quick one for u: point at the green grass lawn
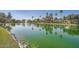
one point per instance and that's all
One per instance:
(6, 40)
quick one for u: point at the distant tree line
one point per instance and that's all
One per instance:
(56, 18)
(8, 18)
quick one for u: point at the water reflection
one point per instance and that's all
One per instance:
(38, 31)
(71, 30)
(13, 24)
(61, 36)
(23, 24)
(32, 28)
(47, 28)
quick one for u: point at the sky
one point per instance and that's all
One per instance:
(27, 14)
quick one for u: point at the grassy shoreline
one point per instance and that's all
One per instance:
(57, 24)
(6, 40)
(46, 23)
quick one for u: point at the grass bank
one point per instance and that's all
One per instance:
(6, 40)
(57, 24)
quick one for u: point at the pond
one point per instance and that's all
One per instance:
(46, 36)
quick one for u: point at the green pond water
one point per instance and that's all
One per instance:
(46, 36)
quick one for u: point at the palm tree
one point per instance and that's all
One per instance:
(50, 17)
(47, 14)
(9, 15)
(32, 17)
(61, 11)
(64, 17)
(47, 17)
(40, 16)
(55, 15)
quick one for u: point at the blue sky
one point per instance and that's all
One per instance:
(27, 14)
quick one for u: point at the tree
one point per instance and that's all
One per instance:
(18, 21)
(55, 16)
(32, 17)
(13, 21)
(29, 21)
(23, 21)
(38, 20)
(2, 17)
(51, 16)
(64, 17)
(47, 15)
(61, 11)
(9, 15)
(40, 16)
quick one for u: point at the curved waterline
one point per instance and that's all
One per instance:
(9, 40)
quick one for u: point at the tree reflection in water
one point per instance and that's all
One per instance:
(72, 30)
(61, 36)
(13, 24)
(39, 29)
(48, 29)
(32, 28)
(23, 24)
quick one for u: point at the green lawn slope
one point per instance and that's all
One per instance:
(6, 40)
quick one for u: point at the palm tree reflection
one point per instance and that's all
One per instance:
(72, 30)
(32, 28)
